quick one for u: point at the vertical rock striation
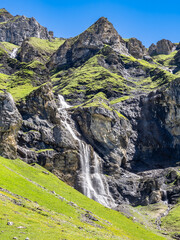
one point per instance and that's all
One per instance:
(10, 123)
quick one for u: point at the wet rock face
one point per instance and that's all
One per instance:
(18, 28)
(77, 50)
(106, 132)
(43, 137)
(155, 141)
(136, 48)
(162, 47)
(10, 123)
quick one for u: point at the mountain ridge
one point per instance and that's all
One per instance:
(98, 111)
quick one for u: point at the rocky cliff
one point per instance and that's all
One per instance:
(116, 135)
(10, 123)
(15, 29)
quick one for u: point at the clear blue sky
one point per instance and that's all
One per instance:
(149, 21)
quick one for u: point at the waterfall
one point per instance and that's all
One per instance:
(94, 184)
(165, 198)
(14, 53)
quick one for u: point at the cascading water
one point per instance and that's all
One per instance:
(14, 53)
(94, 184)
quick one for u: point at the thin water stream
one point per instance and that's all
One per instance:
(14, 53)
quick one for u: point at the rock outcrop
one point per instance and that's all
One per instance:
(136, 48)
(16, 29)
(77, 50)
(107, 132)
(29, 53)
(178, 47)
(162, 47)
(10, 123)
(43, 137)
(177, 58)
(155, 121)
(4, 15)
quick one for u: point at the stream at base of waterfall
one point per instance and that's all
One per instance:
(94, 184)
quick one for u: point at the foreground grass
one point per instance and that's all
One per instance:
(172, 221)
(43, 207)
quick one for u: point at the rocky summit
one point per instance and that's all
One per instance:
(100, 113)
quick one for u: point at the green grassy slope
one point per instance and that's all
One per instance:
(26, 77)
(165, 60)
(91, 78)
(46, 45)
(43, 207)
(172, 221)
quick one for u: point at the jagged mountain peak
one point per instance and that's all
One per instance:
(3, 10)
(88, 43)
(5, 15)
(105, 30)
(15, 29)
(163, 46)
(101, 23)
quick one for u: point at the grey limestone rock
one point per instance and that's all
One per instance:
(10, 123)
(77, 50)
(4, 15)
(162, 47)
(106, 132)
(136, 48)
(43, 137)
(16, 29)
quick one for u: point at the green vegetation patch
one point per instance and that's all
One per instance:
(121, 99)
(3, 80)
(165, 60)
(126, 39)
(46, 45)
(18, 84)
(37, 202)
(2, 50)
(21, 91)
(157, 77)
(9, 46)
(172, 221)
(99, 100)
(84, 82)
(26, 79)
(36, 64)
(88, 80)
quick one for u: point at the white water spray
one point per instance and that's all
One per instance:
(14, 53)
(94, 185)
